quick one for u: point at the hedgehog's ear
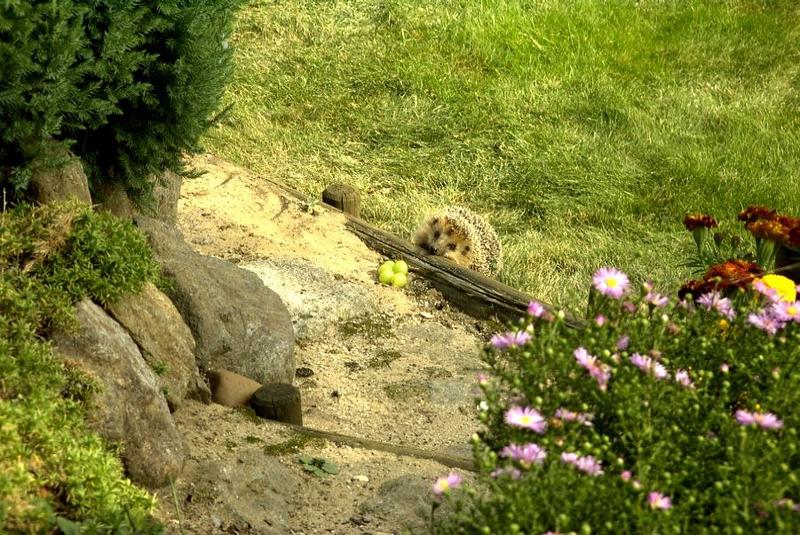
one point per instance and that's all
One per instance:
(435, 221)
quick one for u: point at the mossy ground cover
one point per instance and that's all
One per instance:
(52, 471)
(585, 130)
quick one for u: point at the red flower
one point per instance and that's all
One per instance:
(767, 229)
(753, 213)
(693, 221)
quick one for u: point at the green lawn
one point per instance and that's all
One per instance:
(584, 130)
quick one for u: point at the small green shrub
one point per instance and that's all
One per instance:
(53, 472)
(658, 417)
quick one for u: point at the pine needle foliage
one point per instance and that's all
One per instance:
(129, 86)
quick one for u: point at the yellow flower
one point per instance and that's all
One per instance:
(723, 324)
(784, 287)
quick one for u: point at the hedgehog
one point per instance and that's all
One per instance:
(462, 236)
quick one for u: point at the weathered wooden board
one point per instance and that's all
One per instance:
(466, 289)
(452, 461)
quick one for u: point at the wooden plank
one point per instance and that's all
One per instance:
(468, 290)
(452, 461)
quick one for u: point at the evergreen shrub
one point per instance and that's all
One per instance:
(128, 85)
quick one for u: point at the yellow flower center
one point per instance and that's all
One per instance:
(723, 324)
(792, 310)
(525, 419)
(611, 282)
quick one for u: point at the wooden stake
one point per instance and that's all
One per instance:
(343, 197)
(278, 401)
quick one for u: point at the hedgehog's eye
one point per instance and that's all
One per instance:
(435, 221)
(451, 246)
(436, 235)
(466, 248)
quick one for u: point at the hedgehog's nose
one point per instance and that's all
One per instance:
(428, 247)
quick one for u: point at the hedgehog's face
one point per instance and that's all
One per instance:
(442, 238)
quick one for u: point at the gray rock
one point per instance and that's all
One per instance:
(113, 198)
(166, 192)
(314, 297)
(403, 502)
(238, 323)
(165, 341)
(248, 494)
(130, 408)
(58, 175)
(453, 392)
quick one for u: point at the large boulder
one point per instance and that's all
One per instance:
(58, 175)
(249, 493)
(238, 323)
(165, 341)
(130, 408)
(314, 296)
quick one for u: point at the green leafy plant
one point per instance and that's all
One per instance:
(318, 466)
(53, 473)
(660, 416)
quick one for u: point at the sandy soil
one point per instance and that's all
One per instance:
(404, 375)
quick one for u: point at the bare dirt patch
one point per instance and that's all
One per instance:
(374, 362)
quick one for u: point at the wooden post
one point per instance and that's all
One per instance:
(343, 197)
(278, 401)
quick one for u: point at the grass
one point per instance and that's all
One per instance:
(584, 130)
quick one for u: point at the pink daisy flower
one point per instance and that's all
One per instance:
(765, 321)
(626, 475)
(763, 420)
(584, 418)
(599, 371)
(763, 289)
(623, 342)
(682, 378)
(526, 454)
(526, 418)
(656, 299)
(536, 309)
(444, 485)
(587, 464)
(600, 320)
(786, 311)
(513, 473)
(714, 300)
(611, 282)
(568, 457)
(656, 500)
(510, 339)
(648, 365)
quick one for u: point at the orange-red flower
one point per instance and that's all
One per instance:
(767, 229)
(734, 273)
(752, 213)
(693, 221)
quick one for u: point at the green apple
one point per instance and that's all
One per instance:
(389, 264)
(400, 280)
(386, 276)
(400, 267)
